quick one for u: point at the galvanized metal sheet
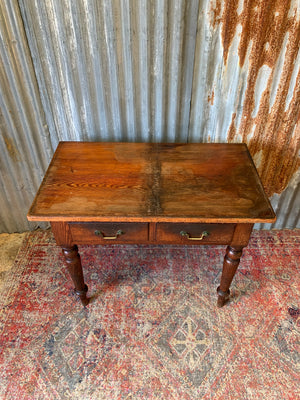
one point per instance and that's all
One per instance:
(24, 140)
(158, 70)
(251, 89)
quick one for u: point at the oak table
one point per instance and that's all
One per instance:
(130, 193)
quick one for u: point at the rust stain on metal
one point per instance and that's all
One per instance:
(273, 132)
(216, 13)
(211, 98)
(229, 23)
(11, 149)
(232, 129)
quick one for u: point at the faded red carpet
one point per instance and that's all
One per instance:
(152, 330)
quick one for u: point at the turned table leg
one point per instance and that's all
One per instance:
(72, 259)
(63, 237)
(231, 262)
(233, 254)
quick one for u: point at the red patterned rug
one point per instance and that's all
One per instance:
(152, 330)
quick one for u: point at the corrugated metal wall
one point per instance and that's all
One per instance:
(156, 70)
(24, 141)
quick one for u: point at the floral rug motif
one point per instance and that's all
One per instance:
(152, 329)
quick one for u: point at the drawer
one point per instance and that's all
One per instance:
(109, 232)
(192, 233)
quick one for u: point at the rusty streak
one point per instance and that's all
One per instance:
(272, 134)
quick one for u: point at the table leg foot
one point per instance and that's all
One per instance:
(82, 295)
(73, 262)
(231, 262)
(223, 297)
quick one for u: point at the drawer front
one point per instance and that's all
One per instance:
(190, 233)
(109, 232)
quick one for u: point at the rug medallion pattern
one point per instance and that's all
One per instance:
(152, 329)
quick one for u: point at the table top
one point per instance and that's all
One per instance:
(142, 182)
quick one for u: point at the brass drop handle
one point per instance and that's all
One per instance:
(118, 233)
(187, 235)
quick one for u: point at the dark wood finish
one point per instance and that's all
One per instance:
(100, 193)
(233, 254)
(152, 232)
(109, 232)
(73, 262)
(143, 182)
(63, 237)
(241, 235)
(167, 232)
(62, 233)
(231, 262)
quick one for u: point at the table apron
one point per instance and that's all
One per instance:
(105, 233)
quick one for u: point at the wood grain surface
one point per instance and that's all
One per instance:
(143, 182)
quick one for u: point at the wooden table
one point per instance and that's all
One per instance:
(125, 193)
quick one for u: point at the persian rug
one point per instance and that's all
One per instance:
(152, 329)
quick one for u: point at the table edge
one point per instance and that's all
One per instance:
(156, 219)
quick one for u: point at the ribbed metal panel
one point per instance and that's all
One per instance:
(114, 70)
(149, 70)
(286, 206)
(24, 141)
(247, 83)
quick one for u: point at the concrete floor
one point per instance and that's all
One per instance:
(9, 247)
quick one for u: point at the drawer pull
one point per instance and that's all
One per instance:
(118, 233)
(187, 235)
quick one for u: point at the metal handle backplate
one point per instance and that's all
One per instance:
(189, 237)
(118, 233)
